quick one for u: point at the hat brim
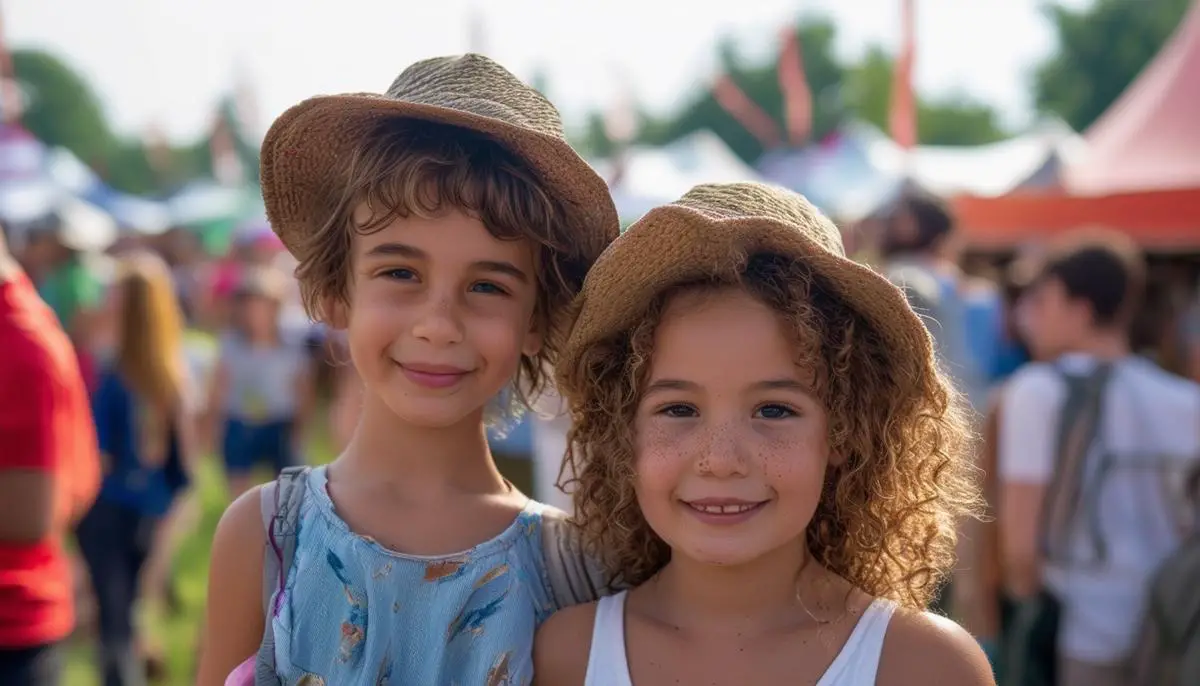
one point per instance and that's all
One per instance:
(307, 152)
(672, 245)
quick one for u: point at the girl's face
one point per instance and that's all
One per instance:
(440, 314)
(260, 316)
(731, 443)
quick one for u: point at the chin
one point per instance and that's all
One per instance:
(722, 553)
(430, 413)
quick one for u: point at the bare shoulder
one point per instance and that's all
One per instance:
(922, 647)
(241, 523)
(233, 623)
(562, 645)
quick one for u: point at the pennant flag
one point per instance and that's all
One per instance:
(734, 100)
(797, 98)
(902, 119)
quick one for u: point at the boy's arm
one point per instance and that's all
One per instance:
(562, 645)
(233, 621)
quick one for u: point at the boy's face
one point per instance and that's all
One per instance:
(731, 445)
(440, 313)
(1051, 320)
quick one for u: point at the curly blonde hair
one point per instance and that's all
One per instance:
(888, 514)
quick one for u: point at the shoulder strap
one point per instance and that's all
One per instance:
(1078, 426)
(280, 501)
(574, 577)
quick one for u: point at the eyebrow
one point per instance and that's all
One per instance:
(782, 384)
(402, 250)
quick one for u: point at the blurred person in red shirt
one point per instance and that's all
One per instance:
(49, 474)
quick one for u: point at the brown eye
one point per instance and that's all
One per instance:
(678, 411)
(774, 411)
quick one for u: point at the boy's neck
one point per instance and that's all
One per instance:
(756, 597)
(454, 459)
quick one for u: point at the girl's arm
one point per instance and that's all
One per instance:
(561, 647)
(233, 619)
(210, 419)
(924, 648)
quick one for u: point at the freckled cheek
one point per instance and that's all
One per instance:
(798, 463)
(662, 458)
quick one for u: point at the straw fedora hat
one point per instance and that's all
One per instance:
(308, 149)
(696, 236)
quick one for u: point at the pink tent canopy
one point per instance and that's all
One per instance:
(1149, 139)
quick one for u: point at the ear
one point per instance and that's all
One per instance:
(533, 341)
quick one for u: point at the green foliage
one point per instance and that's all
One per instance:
(61, 108)
(761, 84)
(861, 90)
(1101, 51)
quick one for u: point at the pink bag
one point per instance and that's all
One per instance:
(242, 675)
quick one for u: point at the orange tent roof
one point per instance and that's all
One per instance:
(1163, 220)
(1149, 139)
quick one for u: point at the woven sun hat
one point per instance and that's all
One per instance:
(308, 150)
(696, 236)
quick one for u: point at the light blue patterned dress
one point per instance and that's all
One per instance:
(355, 612)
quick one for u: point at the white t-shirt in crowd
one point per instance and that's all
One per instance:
(1151, 426)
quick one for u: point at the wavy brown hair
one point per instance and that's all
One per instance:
(888, 514)
(149, 347)
(405, 168)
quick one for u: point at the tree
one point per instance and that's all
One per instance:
(761, 84)
(1101, 50)
(60, 107)
(862, 90)
(956, 120)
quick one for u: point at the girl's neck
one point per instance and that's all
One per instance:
(435, 461)
(781, 589)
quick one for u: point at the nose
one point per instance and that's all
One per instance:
(721, 453)
(439, 322)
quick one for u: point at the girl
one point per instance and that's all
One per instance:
(444, 242)
(262, 388)
(765, 448)
(144, 430)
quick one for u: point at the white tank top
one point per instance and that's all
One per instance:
(855, 664)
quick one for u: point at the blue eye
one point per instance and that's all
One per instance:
(487, 288)
(774, 411)
(678, 411)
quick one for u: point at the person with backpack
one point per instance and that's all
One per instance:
(445, 226)
(1095, 445)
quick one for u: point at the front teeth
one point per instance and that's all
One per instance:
(725, 509)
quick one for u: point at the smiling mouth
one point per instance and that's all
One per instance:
(724, 508)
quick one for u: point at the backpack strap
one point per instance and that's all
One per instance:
(280, 501)
(1078, 429)
(574, 576)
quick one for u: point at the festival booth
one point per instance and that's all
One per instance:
(858, 169)
(1137, 170)
(131, 212)
(646, 177)
(29, 192)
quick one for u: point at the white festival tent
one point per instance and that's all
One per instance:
(860, 169)
(653, 176)
(28, 193)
